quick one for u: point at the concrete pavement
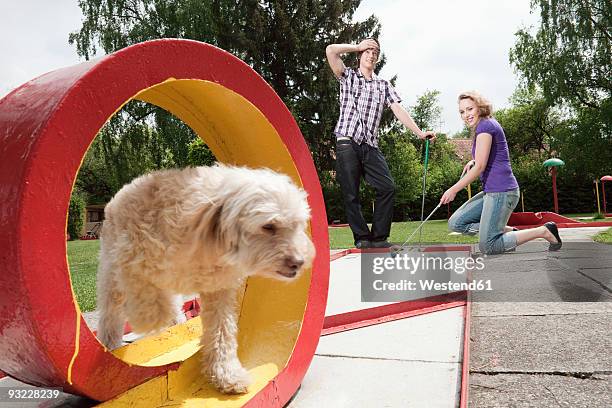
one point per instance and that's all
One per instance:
(550, 344)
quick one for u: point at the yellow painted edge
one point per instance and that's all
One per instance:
(76, 342)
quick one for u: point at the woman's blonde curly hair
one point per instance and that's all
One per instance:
(484, 106)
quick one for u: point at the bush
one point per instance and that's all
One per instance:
(76, 215)
(332, 195)
(199, 154)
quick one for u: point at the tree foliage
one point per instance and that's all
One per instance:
(138, 139)
(76, 215)
(529, 123)
(566, 65)
(427, 111)
(570, 55)
(283, 40)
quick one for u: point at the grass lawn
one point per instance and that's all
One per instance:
(83, 255)
(434, 232)
(83, 261)
(604, 237)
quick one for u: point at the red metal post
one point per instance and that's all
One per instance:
(603, 193)
(554, 180)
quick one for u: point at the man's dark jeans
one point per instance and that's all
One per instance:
(353, 162)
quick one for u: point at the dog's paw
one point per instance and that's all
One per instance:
(234, 380)
(110, 343)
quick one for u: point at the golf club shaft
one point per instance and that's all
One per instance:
(425, 220)
(421, 224)
(424, 184)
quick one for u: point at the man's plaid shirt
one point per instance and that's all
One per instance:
(361, 106)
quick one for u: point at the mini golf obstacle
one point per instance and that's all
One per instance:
(524, 220)
(46, 127)
(603, 194)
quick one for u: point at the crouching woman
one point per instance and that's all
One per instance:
(487, 213)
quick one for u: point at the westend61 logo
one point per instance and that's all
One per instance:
(416, 275)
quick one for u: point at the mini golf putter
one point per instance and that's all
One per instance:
(394, 253)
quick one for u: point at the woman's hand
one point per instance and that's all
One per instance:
(448, 196)
(467, 167)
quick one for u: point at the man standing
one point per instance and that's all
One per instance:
(363, 96)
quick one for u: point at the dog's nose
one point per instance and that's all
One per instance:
(294, 263)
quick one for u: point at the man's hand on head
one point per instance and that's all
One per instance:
(367, 44)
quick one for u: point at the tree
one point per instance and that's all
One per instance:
(529, 123)
(426, 112)
(568, 59)
(405, 167)
(76, 215)
(570, 56)
(405, 152)
(462, 134)
(283, 40)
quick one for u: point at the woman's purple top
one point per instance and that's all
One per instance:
(497, 176)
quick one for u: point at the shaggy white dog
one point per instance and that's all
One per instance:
(198, 230)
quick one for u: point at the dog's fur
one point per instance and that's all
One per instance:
(198, 230)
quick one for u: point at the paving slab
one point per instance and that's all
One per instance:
(92, 319)
(539, 391)
(561, 343)
(528, 276)
(543, 353)
(540, 283)
(587, 262)
(603, 276)
(481, 309)
(581, 233)
(345, 286)
(412, 362)
(435, 337)
(341, 382)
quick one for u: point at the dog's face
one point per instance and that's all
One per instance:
(262, 227)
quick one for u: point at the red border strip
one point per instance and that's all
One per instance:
(367, 317)
(465, 361)
(381, 314)
(572, 225)
(2, 375)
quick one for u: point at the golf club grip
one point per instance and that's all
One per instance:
(426, 152)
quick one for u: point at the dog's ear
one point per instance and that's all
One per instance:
(215, 230)
(204, 227)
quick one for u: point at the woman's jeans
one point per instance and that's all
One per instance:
(487, 214)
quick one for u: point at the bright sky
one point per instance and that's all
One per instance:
(450, 46)
(446, 45)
